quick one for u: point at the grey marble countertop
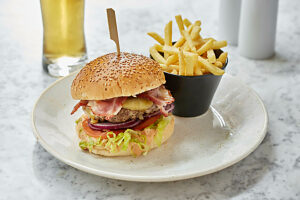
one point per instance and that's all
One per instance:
(27, 171)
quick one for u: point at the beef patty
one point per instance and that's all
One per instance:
(124, 114)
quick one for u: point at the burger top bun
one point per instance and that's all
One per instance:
(115, 75)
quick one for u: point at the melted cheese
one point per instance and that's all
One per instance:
(137, 104)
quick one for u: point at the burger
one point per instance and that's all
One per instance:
(127, 109)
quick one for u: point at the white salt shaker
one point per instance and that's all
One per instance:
(257, 28)
(229, 18)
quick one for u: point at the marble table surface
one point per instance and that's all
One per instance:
(27, 171)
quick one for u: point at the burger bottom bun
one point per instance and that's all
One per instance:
(102, 151)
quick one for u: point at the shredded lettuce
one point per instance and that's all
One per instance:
(141, 142)
(83, 145)
(125, 139)
(122, 140)
(111, 136)
(99, 142)
(160, 127)
(78, 120)
(90, 144)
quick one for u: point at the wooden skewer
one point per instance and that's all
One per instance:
(112, 25)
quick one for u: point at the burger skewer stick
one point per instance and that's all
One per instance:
(112, 25)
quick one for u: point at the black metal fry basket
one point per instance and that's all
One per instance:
(193, 94)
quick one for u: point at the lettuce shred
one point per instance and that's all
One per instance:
(83, 145)
(160, 127)
(122, 140)
(78, 120)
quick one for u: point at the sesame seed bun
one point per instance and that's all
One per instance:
(100, 150)
(112, 76)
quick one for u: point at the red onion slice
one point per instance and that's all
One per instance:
(152, 114)
(169, 108)
(128, 124)
(114, 126)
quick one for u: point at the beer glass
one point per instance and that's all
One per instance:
(64, 48)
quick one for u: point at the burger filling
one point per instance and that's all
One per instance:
(138, 142)
(117, 117)
(123, 115)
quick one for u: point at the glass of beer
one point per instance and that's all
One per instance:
(64, 48)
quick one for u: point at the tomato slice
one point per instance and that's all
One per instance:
(91, 132)
(118, 131)
(147, 123)
(95, 133)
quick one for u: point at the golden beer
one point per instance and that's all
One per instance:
(64, 43)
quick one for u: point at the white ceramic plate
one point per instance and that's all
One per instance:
(233, 127)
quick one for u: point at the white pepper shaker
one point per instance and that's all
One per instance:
(229, 18)
(257, 28)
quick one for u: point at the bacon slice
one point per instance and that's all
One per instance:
(78, 105)
(107, 108)
(159, 96)
(111, 107)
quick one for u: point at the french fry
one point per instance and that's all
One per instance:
(159, 47)
(211, 56)
(181, 63)
(198, 43)
(181, 40)
(205, 47)
(156, 37)
(190, 61)
(207, 39)
(187, 53)
(190, 28)
(210, 67)
(170, 50)
(197, 23)
(156, 56)
(189, 40)
(223, 57)
(179, 22)
(168, 36)
(169, 67)
(176, 67)
(187, 22)
(198, 70)
(174, 72)
(219, 64)
(169, 71)
(195, 32)
(196, 37)
(219, 44)
(191, 55)
(186, 47)
(172, 59)
(203, 69)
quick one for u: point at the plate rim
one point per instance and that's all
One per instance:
(156, 178)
